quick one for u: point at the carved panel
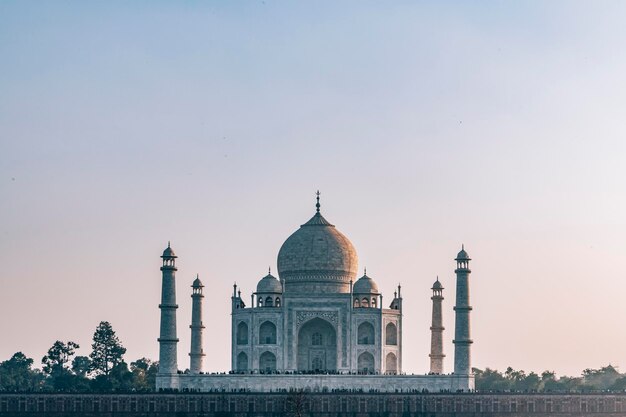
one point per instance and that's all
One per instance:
(304, 316)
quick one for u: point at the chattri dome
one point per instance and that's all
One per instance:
(197, 283)
(317, 257)
(365, 285)
(437, 285)
(462, 256)
(269, 284)
(169, 252)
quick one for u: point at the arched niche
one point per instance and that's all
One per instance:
(391, 334)
(242, 333)
(317, 346)
(365, 333)
(365, 363)
(267, 333)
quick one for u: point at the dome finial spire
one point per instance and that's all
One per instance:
(269, 270)
(168, 243)
(317, 205)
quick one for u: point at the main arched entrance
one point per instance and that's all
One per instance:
(317, 346)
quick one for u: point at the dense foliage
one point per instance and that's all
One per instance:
(592, 380)
(103, 370)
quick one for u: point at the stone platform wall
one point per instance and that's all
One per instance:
(316, 383)
(310, 404)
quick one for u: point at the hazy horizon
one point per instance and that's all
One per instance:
(425, 125)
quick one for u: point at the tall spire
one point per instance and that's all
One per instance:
(196, 353)
(436, 330)
(462, 334)
(317, 206)
(168, 339)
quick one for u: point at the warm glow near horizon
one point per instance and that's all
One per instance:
(425, 126)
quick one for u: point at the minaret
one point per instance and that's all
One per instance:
(168, 340)
(436, 329)
(196, 354)
(462, 341)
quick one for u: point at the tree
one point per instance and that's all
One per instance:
(619, 384)
(600, 379)
(16, 374)
(144, 374)
(491, 380)
(530, 383)
(56, 365)
(549, 382)
(58, 356)
(118, 379)
(81, 366)
(107, 351)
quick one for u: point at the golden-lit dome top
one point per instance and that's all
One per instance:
(318, 252)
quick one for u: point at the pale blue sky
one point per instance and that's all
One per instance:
(211, 124)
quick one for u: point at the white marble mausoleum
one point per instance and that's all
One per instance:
(315, 326)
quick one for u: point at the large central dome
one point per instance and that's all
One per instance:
(317, 258)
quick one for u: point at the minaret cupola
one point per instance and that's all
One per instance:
(462, 259)
(169, 257)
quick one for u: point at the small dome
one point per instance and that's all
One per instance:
(365, 285)
(197, 283)
(437, 285)
(462, 256)
(169, 252)
(269, 284)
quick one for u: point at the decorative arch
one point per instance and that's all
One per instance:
(365, 302)
(277, 303)
(268, 301)
(267, 362)
(242, 333)
(267, 333)
(357, 303)
(365, 333)
(365, 363)
(317, 346)
(391, 363)
(242, 362)
(391, 334)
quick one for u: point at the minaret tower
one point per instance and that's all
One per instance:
(436, 329)
(462, 341)
(196, 354)
(168, 340)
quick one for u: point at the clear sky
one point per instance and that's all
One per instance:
(425, 125)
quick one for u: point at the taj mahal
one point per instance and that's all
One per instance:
(316, 326)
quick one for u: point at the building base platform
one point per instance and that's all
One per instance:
(315, 383)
